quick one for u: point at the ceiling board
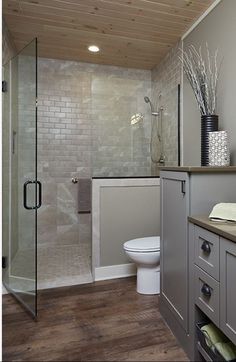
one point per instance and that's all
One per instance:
(131, 33)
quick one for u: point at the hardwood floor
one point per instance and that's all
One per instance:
(105, 321)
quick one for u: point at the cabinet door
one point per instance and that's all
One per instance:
(174, 246)
(228, 288)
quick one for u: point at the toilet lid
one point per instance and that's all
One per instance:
(151, 243)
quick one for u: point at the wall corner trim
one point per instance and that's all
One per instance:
(198, 21)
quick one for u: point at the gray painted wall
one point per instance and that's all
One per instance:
(126, 213)
(218, 29)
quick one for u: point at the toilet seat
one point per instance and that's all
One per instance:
(143, 245)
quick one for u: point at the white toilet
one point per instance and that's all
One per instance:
(145, 253)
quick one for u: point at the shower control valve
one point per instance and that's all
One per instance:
(74, 180)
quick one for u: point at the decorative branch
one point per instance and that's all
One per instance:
(202, 76)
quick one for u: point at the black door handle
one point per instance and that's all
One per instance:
(40, 195)
(183, 187)
(206, 247)
(206, 290)
(25, 195)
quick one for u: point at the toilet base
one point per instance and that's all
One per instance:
(148, 280)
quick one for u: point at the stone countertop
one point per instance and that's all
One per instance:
(121, 177)
(199, 169)
(225, 229)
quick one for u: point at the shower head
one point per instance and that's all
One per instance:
(147, 100)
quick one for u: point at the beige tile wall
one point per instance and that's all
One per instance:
(84, 129)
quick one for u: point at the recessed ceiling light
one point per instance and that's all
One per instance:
(93, 48)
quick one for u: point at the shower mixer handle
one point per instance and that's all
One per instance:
(74, 180)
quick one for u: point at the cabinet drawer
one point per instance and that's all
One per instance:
(206, 251)
(207, 294)
(227, 288)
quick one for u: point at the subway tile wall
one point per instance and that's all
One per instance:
(84, 130)
(165, 80)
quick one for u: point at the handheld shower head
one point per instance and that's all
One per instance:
(147, 100)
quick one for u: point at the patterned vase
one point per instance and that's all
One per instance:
(219, 149)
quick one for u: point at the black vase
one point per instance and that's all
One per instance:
(208, 124)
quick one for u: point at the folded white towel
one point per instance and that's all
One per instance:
(224, 211)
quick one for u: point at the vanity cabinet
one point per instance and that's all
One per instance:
(214, 276)
(187, 191)
(228, 288)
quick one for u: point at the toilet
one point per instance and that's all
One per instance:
(145, 253)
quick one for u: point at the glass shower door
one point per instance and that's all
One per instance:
(21, 188)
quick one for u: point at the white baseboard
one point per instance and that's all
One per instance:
(115, 271)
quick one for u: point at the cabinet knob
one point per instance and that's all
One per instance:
(206, 247)
(206, 290)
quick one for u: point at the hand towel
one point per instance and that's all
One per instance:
(224, 211)
(84, 195)
(226, 350)
(212, 335)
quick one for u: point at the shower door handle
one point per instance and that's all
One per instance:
(29, 182)
(40, 195)
(25, 195)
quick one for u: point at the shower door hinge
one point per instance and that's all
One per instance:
(4, 86)
(4, 262)
(36, 103)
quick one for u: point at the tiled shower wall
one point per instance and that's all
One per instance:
(84, 130)
(165, 80)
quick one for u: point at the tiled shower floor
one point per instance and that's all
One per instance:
(64, 265)
(57, 265)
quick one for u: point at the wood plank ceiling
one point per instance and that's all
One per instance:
(130, 33)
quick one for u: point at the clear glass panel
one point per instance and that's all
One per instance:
(20, 276)
(5, 172)
(121, 125)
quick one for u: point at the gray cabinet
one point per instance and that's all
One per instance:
(206, 251)
(214, 278)
(228, 288)
(185, 194)
(207, 294)
(174, 250)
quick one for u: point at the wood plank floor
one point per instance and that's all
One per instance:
(104, 321)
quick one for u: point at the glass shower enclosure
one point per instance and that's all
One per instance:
(21, 189)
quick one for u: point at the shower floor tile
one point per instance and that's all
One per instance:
(57, 265)
(64, 265)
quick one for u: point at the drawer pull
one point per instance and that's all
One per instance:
(206, 290)
(206, 247)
